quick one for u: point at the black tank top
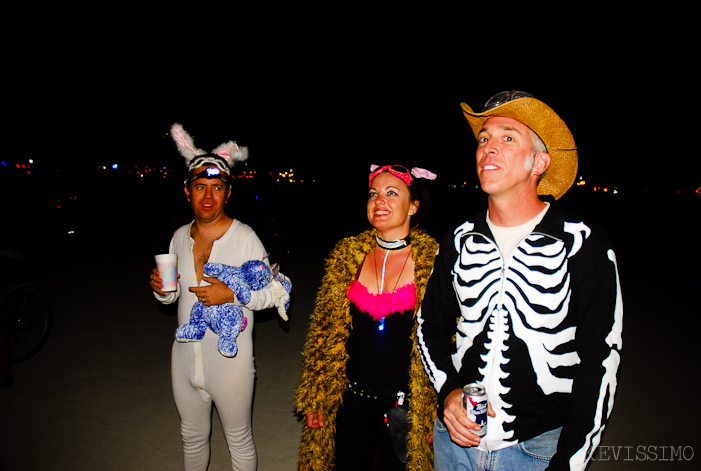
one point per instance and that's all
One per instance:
(379, 357)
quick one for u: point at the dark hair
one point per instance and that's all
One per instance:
(418, 192)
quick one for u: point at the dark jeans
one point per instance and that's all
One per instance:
(360, 429)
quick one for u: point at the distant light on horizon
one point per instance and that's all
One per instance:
(115, 166)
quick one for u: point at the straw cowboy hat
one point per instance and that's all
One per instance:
(542, 120)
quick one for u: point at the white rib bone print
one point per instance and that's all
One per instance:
(537, 270)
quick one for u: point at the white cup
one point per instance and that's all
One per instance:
(167, 265)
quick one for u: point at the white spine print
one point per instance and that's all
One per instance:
(498, 335)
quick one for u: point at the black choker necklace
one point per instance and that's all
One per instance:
(395, 244)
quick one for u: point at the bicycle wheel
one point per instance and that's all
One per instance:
(29, 317)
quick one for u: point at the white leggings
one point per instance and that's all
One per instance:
(201, 375)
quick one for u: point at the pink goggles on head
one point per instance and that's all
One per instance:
(401, 172)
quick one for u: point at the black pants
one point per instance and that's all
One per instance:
(360, 429)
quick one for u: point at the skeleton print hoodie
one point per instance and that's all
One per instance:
(541, 330)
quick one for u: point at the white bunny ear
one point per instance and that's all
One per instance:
(185, 144)
(231, 152)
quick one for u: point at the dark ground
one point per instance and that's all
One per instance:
(98, 395)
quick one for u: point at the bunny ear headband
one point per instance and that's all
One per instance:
(401, 172)
(223, 156)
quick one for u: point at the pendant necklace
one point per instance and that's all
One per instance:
(381, 284)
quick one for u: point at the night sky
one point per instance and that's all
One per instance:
(320, 102)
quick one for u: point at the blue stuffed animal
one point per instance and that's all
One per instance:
(227, 320)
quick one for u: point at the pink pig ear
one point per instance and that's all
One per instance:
(423, 173)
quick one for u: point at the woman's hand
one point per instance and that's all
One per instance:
(215, 294)
(314, 420)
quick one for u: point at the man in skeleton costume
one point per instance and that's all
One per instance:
(535, 293)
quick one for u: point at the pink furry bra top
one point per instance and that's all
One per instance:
(379, 306)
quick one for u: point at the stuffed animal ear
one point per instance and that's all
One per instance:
(185, 144)
(231, 152)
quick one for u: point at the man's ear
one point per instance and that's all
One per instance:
(187, 193)
(541, 163)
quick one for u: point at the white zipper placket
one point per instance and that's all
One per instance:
(493, 384)
(498, 313)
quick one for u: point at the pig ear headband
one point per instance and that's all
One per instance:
(223, 156)
(401, 172)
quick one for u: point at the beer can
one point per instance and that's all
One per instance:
(474, 401)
